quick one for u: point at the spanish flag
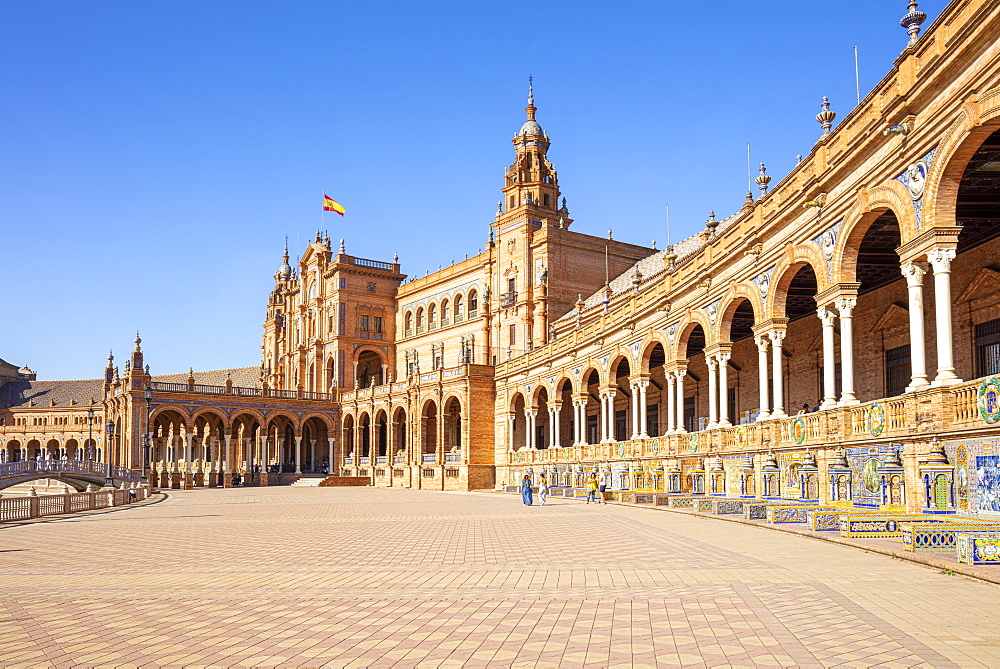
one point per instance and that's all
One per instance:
(329, 204)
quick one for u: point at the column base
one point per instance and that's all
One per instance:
(849, 401)
(175, 480)
(763, 415)
(188, 481)
(164, 479)
(227, 480)
(712, 425)
(724, 423)
(263, 480)
(828, 404)
(779, 413)
(945, 379)
(213, 479)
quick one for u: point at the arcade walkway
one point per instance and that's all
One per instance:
(362, 576)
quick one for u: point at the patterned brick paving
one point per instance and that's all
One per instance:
(363, 577)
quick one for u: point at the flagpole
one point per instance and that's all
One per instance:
(322, 212)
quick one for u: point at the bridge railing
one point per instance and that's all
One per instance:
(35, 506)
(68, 467)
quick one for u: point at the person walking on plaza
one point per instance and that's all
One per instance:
(526, 490)
(543, 489)
(591, 489)
(605, 483)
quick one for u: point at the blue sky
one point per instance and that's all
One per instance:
(154, 155)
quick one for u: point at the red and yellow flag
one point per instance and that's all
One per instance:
(329, 204)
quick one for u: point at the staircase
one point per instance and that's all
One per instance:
(309, 481)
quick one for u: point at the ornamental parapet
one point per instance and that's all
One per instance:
(931, 412)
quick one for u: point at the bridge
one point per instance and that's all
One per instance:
(77, 473)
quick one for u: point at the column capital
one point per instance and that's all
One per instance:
(713, 364)
(828, 296)
(937, 237)
(940, 259)
(845, 305)
(827, 316)
(777, 336)
(723, 357)
(914, 272)
(762, 342)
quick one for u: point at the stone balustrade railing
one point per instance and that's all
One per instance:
(35, 506)
(932, 411)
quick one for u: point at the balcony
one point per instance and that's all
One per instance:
(509, 298)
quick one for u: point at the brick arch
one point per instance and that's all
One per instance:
(163, 408)
(621, 353)
(734, 295)
(537, 390)
(795, 258)
(691, 318)
(207, 411)
(856, 223)
(561, 379)
(588, 367)
(649, 343)
(955, 151)
(324, 418)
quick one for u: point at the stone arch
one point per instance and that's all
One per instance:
(731, 301)
(589, 368)
(785, 272)
(326, 419)
(536, 392)
(648, 346)
(203, 412)
(562, 379)
(176, 408)
(963, 138)
(948, 169)
(852, 232)
(685, 326)
(621, 353)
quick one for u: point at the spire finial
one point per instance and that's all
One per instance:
(531, 87)
(914, 17)
(342, 251)
(825, 117)
(138, 340)
(111, 356)
(286, 250)
(763, 179)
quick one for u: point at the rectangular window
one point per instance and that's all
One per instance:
(732, 408)
(988, 348)
(592, 429)
(653, 420)
(343, 318)
(689, 422)
(364, 324)
(343, 284)
(897, 370)
(377, 324)
(512, 339)
(511, 285)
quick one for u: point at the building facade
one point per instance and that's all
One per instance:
(837, 339)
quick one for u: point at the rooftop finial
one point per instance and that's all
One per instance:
(825, 117)
(138, 340)
(531, 86)
(286, 249)
(763, 179)
(342, 251)
(914, 17)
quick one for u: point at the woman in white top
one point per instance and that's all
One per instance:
(543, 489)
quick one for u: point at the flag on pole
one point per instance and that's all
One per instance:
(329, 204)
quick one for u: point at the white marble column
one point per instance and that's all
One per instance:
(187, 451)
(580, 424)
(940, 260)
(227, 463)
(511, 423)
(556, 427)
(312, 454)
(723, 359)
(777, 378)
(680, 429)
(329, 448)
(914, 273)
(713, 393)
(845, 306)
(671, 403)
(529, 440)
(634, 401)
(298, 454)
(762, 343)
(643, 415)
(826, 317)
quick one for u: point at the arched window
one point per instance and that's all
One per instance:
(458, 308)
(408, 320)
(432, 316)
(420, 320)
(473, 303)
(445, 314)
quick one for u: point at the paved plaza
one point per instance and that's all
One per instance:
(382, 577)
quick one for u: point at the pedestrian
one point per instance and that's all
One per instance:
(543, 489)
(592, 488)
(526, 490)
(605, 483)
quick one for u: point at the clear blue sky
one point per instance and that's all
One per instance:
(153, 155)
